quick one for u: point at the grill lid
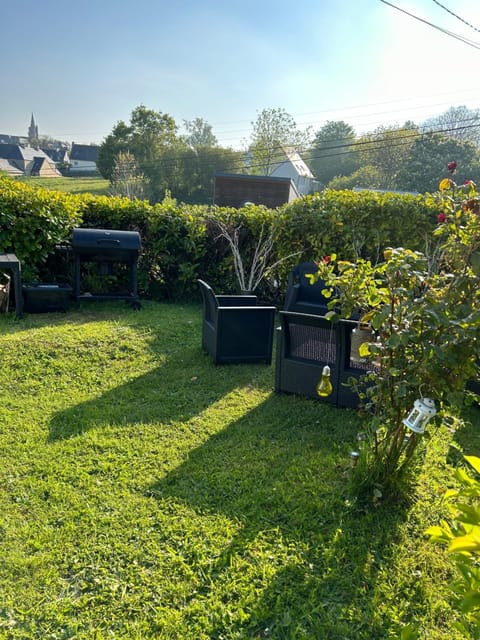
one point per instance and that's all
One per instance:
(105, 239)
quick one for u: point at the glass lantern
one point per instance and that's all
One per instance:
(423, 410)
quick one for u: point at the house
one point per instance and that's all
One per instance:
(59, 154)
(6, 138)
(83, 158)
(17, 160)
(237, 189)
(295, 168)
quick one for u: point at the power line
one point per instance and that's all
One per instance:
(375, 144)
(354, 147)
(470, 43)
(455, 16)
(332, 110)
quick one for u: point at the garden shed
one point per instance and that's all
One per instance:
(234, 190)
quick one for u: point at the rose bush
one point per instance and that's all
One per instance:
(425, 312)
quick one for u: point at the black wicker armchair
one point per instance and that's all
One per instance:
(305, 344)
(235, 328)
(303, 297)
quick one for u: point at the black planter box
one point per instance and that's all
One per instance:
(44, 298)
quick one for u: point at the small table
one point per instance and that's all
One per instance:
(10, 261)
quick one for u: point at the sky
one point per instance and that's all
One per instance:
(80, 67)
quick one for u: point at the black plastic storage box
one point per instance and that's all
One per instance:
(44, 298)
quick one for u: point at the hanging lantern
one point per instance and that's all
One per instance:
(360, 335)
(423, 410)
(324, 387)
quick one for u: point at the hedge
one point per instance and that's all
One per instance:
(180, 242)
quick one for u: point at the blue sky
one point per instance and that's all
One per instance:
(82, 66)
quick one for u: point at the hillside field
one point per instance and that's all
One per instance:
(97, 186)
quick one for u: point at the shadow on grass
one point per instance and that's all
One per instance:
(467, 437)
(275, 472)
(179, 389)
(184, 384)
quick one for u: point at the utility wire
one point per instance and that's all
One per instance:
(455, 16)
(470, 43)
(375, 144)
(221, 134)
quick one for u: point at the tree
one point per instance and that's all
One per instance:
(386, 149)
(189, 173)
(330, 155)
(459, 123)
(151, 131)
(424, 166)
(147, 134)
(272, 130)
(199, 133)
(162, 160)
(366, 177)
(119, 141)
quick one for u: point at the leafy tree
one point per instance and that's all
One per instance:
(189, 173)
(423, 167)
(147, 152)
(147, 134)
(367, 177)
(151, 131)
(119, 141)
(199, 133)
(459, 123)
(209, 160)
(386, 149)
(330, 155)
(272, 130)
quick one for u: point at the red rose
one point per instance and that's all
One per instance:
(442, 217)
(326, 259)
(451, 166)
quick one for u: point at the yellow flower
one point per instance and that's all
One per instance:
(445, 184)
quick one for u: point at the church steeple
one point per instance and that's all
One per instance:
(33, 133)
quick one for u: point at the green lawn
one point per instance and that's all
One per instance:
(97, 186)
(147, 494)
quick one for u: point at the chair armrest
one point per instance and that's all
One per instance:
(227, 310)
(236, 301)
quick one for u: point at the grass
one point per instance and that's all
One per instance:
(97, 186)
(149, 494)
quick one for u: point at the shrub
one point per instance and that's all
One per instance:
(180, 241)
(462, 538)
(33, 221)
(425, 314)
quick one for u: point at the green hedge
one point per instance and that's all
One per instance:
(180, 242)
(33, 221)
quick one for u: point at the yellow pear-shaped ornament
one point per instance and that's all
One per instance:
(324, 387)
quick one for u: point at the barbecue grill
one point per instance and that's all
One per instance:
(107, 248)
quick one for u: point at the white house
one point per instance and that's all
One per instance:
(295, 168)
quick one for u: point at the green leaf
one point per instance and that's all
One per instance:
(409, 632)
(470, 542)
(394, 341)
(470, 601)
(436, 531)
(474, 462)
